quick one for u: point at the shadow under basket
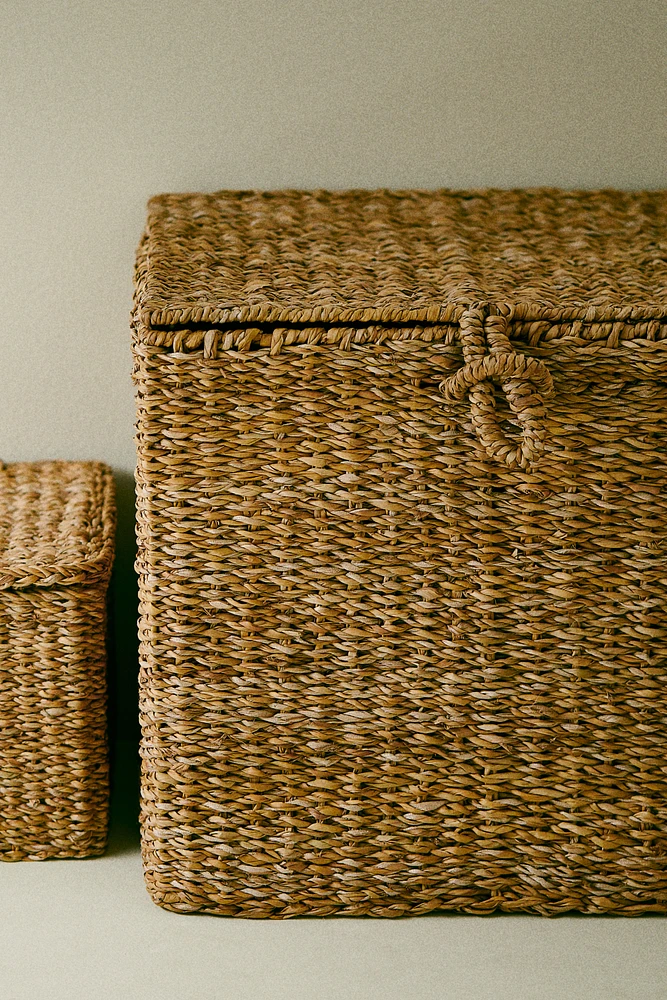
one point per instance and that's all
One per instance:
(402, 526)
(57, 522)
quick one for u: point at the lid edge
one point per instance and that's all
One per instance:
(87, 571)
(177, 316)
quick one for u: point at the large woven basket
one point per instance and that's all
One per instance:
(56, 547)
(402, 522)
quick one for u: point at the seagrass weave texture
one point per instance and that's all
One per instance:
(402, 525)
(57, 523)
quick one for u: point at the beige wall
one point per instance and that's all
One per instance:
(102, 105)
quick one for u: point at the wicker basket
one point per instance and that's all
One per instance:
(402, 522)
(56, 547)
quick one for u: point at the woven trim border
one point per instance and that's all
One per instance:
(183, 315)
(252, 338)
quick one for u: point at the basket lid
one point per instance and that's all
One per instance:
(246, 257)
(57, 523)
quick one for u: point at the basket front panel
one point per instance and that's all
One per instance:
(381, 674)
(54, 771)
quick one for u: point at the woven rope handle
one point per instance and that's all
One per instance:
(490, 357)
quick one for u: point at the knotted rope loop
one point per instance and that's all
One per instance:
(498, 368)
(489, 357)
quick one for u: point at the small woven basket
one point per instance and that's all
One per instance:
(402, 524)
(57, 523)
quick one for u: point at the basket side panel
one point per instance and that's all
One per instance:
(380, 673)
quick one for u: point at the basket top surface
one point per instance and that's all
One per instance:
(57, 523)
(392, 256)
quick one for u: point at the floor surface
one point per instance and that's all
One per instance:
(87, 930)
